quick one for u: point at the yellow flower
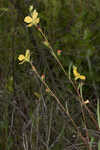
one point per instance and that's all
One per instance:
(77, 75)
(33, 20)
(21, 57)
(25, 58)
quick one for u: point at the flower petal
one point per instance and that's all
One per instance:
(21, 57)
(27, 55)
(82, 77)
(75, 71)
(22, 62)
(30, 25)
(37, 20)
(34, 14)
(28, 19)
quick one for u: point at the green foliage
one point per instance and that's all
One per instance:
(98, 112)
(9, 84)
(71, 26)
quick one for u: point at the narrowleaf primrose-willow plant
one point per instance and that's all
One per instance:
(33, 20)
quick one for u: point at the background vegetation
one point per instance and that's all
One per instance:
(29, 117)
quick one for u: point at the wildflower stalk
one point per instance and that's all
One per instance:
(85, 106)
(58, 101)
(60, 64)
(52, 51)
(84, 118)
